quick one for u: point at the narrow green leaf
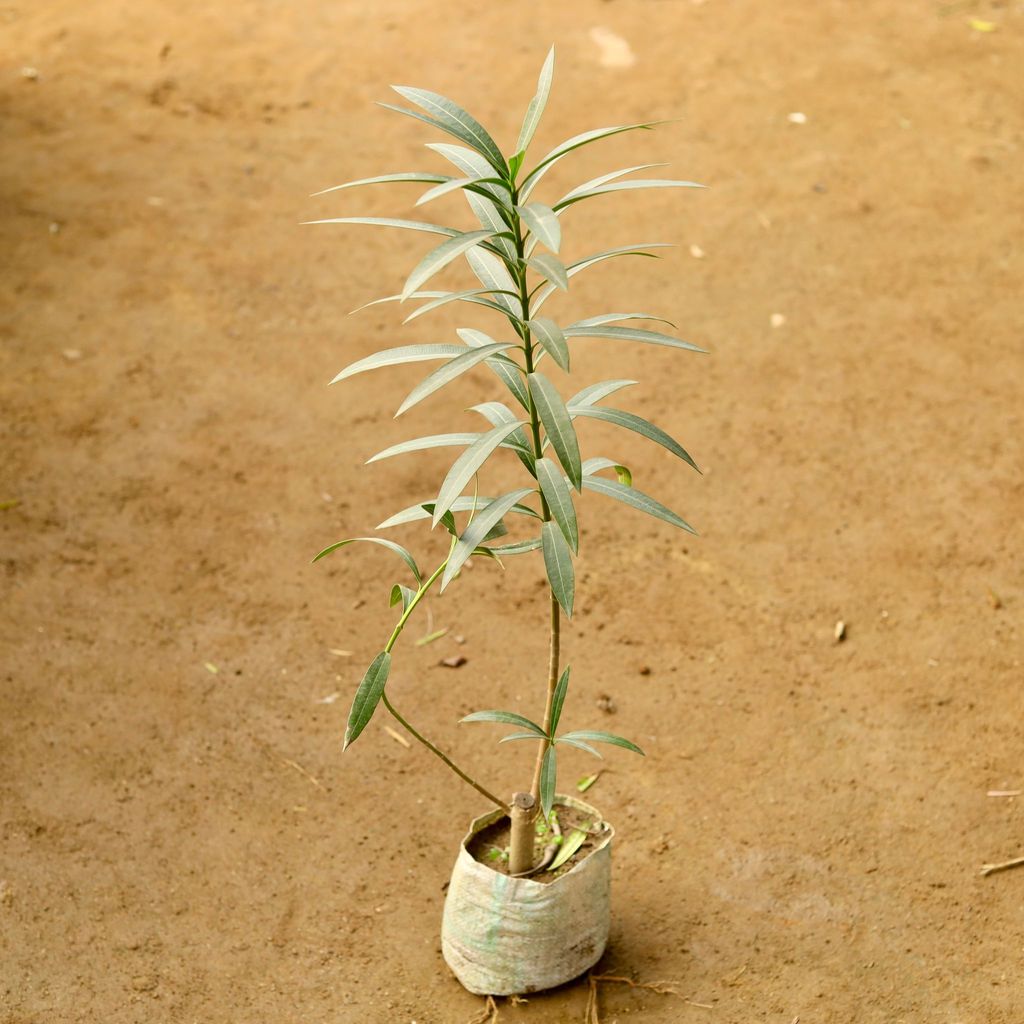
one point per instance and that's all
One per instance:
(494, 275)
(508, 371)
(632, 334)
(603, 178)
(398, 356)
(580, 745)
(623, 186)
(559, 699)
(569, 847)
(595, 392)
(536, 107)
(551, 268)
(440, 257)
(547, 332)
(520, 547)
(449, 185)
(636, 499)
(442, 441)
(506, 718)
(381, 179)
(391, 222)
(448, 372)
(637, 424)
(520, 736)
(558, 563)
(557, 424)
(425, 509)
(557, 495)
(548, 780)
(587, 781)
(515, 162)
(594, 465)
(543, 223)
(456, 122)
(389, 544)
(467, 464)
(474, 295)
(609, 318)
(496, 413)
(486, 518)
(596, 736)
(431, 637)
(403, 594)
(367, 697)
(474, 165)
(581, 265)
(565, 148)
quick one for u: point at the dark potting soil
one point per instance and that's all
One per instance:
(490, 845)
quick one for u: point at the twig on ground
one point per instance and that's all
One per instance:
(489, 1014)
(662, 988)
(302, 771)
(988, 869)
(397, 737)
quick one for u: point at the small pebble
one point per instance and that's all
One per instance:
(840, 631)
(29, 73)
(696, 252)
(776, 319)
(72, 355)
(457, 661)
(797, 117)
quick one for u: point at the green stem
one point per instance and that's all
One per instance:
(417, 597)
(554, 646)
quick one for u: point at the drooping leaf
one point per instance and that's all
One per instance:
(468, 463)
(493, 274)
(367, 697)
(456, 122)
(595, 465)
(440, 257)
(520, 547)
(610, 318)
(555, 417)
(559, 498)
(580, 745)
(559, 699)
(548, 780)
(632, 334)
(551, 268)
(444, 188)
(403, 594)
(391, 222)
(402, 553)
(496, 413)
(543, 224)
(565, 148)
(474, 295)
(636, 499)
(420, 444)
(506, 718)
(570, 845)
(398, 356)
(425, 509)
(536, 107)
(603, 178)
(381, 179)
(558, 564)
(637, 424)
(548, 333)
(448, 372)
(510, 373)
(595, 392)
(520, 736)
(580, 265)
(596, 736)
(479, 528)
(623, 186)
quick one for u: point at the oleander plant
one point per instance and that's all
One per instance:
(514, 254)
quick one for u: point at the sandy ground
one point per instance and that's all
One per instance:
(804, 837)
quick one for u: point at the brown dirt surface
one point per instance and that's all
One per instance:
(180, 837)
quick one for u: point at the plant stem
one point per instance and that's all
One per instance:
(424, 587)
(444, 757)
(554, 644)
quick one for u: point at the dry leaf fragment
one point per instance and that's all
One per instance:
(980, 25)
(840, 631)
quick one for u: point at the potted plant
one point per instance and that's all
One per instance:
(528, 904)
